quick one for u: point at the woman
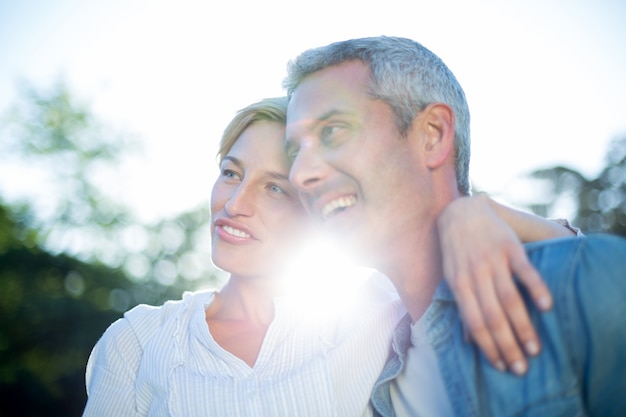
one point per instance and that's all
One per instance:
(245, 349)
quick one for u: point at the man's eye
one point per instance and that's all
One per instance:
(329, 132)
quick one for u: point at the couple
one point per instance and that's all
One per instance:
(377, 138)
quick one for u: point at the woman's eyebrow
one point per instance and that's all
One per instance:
(234, 160)
(278, 175)
(272, 174)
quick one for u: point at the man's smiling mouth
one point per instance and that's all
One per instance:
(337, 206)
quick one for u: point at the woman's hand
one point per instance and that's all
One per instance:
(481, 253)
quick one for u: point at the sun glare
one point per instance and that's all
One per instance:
(323, 279)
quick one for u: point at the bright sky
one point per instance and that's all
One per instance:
(544, 79)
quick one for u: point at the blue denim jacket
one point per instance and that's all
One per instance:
(581, 369)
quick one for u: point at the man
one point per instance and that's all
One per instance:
(378, 132)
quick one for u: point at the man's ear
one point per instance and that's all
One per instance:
(437, 126)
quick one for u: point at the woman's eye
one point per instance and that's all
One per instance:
(275, 189)
(228, 173)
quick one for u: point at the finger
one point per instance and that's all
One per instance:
(517, 314)
(500, 327)
(474, 323)
(531, 279)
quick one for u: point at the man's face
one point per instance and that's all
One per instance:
(352, 168)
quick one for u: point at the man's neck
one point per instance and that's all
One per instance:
(415, 269)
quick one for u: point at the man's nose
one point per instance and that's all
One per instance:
(308, 169)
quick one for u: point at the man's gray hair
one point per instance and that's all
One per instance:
(405, 75)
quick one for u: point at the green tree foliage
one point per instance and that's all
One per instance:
(56, 299)
(59, 140)
(600, 203)
(51, 309)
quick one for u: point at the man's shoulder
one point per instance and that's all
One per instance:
(594, 248)
(587, 278)
(592, 239)
(585, 269)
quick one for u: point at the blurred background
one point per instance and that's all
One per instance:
(110, 115)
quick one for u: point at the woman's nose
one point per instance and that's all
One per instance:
(241, 202)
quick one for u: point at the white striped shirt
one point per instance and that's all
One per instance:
(162, 361)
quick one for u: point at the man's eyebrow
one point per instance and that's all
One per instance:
(334, 112)
(322, 118)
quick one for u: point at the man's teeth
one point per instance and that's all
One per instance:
(235, 232)
(338, 204)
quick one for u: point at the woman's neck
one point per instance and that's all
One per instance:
(240, 315)
(244, 298)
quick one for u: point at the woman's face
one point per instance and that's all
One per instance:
(256, 212)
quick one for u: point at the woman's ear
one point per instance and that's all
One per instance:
(437, 125)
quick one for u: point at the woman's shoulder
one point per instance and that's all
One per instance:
(123, 343)
(146, 319)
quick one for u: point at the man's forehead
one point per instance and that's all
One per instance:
(333, 82)
(319, 100)
(337, 89)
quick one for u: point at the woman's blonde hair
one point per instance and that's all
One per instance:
(270, 109)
